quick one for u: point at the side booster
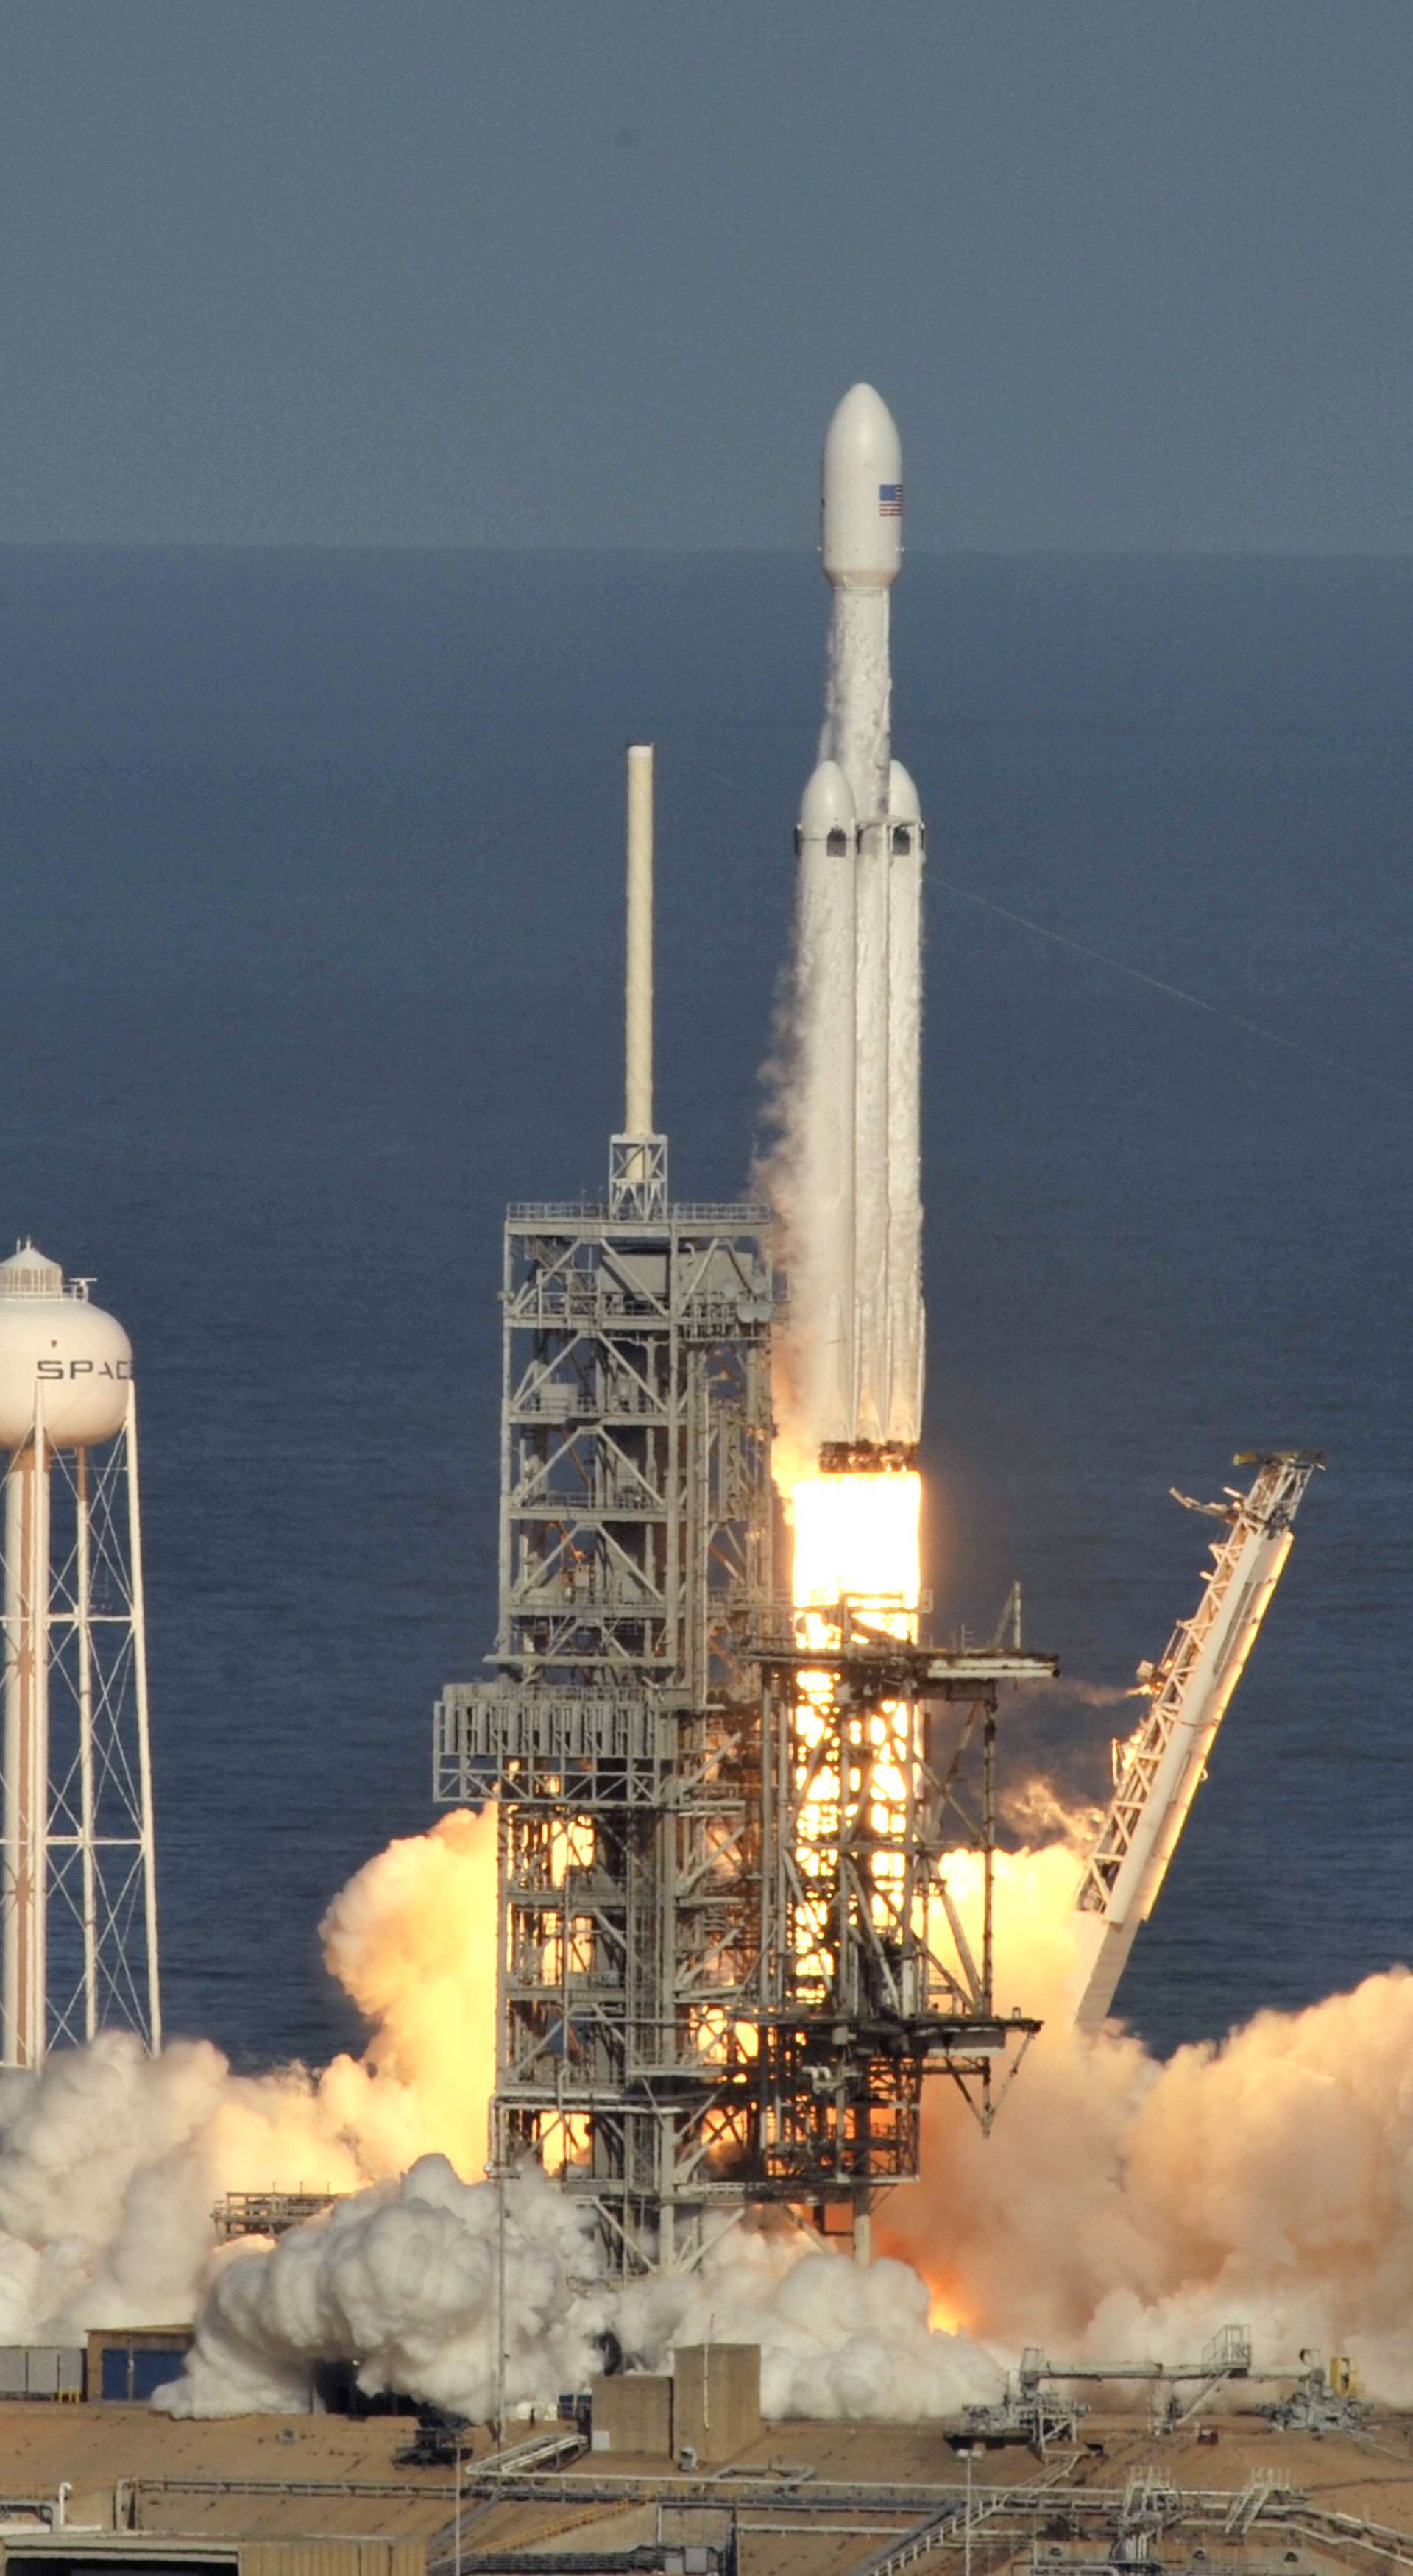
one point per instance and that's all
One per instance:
(860, 844)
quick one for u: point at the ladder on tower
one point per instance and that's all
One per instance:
(1158, 1771)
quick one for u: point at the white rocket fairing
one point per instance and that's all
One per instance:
(857, 1215)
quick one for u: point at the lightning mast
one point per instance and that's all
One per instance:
(1159, 1770)
(621, 1733)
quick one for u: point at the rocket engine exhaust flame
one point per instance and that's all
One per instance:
(856, 1567)
(857, 1538)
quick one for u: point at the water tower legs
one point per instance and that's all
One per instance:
(26, 1781)
(78, 1894)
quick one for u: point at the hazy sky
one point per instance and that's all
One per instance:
(1133, 273)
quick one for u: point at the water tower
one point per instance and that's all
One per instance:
(78, 1895)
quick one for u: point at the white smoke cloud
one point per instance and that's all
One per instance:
(836, 2341)
(406, 2282)
(1126, 2208)
(1033, 1809)
(1120, 2208)
(110, 2161)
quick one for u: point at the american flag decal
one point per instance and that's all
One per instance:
(890, 500)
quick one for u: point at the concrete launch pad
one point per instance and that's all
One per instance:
(322, 2496)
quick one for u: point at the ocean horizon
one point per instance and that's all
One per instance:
(311, 963)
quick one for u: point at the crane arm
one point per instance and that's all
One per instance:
(1160, 1768)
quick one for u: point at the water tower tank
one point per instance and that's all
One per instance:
(54, 1340)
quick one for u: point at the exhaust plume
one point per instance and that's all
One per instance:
(406, 2282)
(110, 2160)
(1121, 2208)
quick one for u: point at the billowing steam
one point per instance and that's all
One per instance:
(1120, 2207)
(408, 2282)
(110, 2161)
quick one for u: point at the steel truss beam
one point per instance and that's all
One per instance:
(721, 1979)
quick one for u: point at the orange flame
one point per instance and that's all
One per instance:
(857, 1560)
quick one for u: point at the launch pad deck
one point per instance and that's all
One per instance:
(323, 2496)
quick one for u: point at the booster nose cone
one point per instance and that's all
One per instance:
(861, 527)
(903, 802)
(827, 805)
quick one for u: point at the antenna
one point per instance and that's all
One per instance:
(637, 1169)
(638, 991)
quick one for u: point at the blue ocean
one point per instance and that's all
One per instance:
(310, 961)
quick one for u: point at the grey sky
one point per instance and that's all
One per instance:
(1133, 273)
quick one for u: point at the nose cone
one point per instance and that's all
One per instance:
(861, 536)
(827, 805)
(904, 805)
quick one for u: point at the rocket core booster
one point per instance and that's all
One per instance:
(859, 982)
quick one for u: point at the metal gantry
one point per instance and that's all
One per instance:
(622, 1736)
(1159, 1770)
(725, 1971)
(239, 2214)
(878, 1787)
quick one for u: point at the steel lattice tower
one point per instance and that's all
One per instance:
(635, 1533)
(716, 1984)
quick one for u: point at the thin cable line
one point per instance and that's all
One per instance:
(1117, 965)
(1176, 992)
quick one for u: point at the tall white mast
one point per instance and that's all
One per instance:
(637, 1177)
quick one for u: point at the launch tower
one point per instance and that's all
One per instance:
(621, 1735)
(727, 1957)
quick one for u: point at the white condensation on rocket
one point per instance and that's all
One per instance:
(852, 1196)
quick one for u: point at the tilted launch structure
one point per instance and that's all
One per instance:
(1159, 1769)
